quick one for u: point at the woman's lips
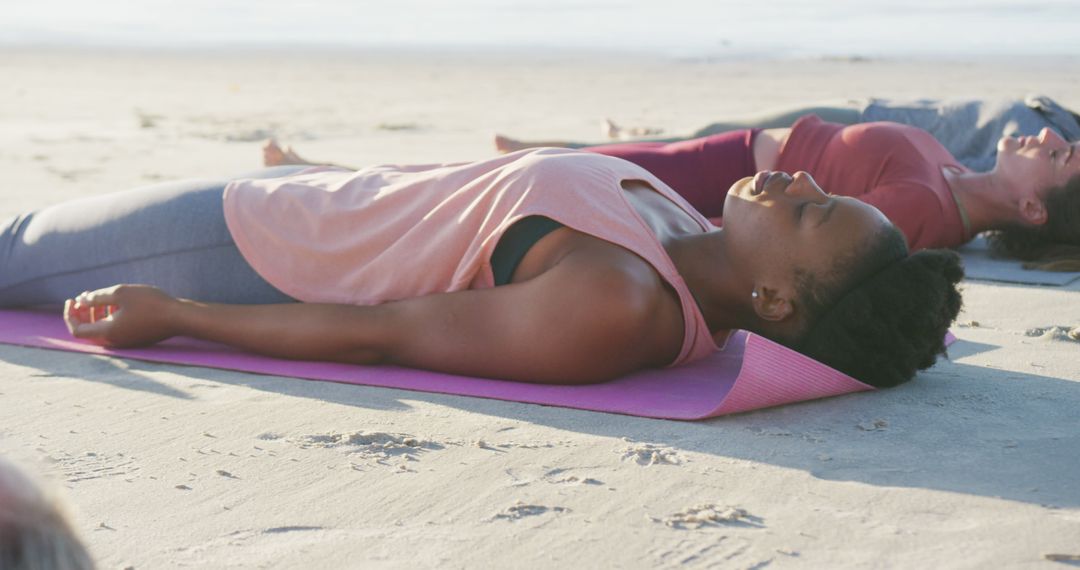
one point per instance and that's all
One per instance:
(763, 178)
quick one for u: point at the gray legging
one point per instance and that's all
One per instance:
(170, 235)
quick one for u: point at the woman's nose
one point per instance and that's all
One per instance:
(1050, 136)
(803, 185)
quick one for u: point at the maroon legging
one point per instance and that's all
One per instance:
(701, 170)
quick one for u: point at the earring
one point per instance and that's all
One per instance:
(753, 295)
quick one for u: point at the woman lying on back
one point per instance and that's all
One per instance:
(968, 128)
(549, 266)
(1029, 201)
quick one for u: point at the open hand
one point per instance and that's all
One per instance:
(122, 316)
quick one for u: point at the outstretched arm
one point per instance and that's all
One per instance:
(846, 113)
(547, 330)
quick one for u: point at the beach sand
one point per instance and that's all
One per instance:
(974, 464)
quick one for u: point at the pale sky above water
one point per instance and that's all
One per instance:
(671, 27)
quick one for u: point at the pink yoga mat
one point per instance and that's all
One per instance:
(751, 373)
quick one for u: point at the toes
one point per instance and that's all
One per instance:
(291, 155)
(610, 129)
(272, 155)
(505, 144)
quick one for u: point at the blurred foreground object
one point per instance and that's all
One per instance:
(34, 533)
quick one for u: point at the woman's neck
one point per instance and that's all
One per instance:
(721, 290)
(987, 201)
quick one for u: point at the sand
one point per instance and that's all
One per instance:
(974, 464)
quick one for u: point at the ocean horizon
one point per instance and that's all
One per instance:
(687, 28)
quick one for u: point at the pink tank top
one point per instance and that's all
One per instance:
(395, 232)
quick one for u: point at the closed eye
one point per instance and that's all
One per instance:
(828, 211)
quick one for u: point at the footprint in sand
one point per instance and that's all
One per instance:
(875, 425)
(90, 465)
(649, 454)
(375, 444)
(710, 514)
(520, 510)
(1066, 334)
(508, 445)
(371, 447)
(559, 476)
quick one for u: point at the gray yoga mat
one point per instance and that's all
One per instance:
(979, 265)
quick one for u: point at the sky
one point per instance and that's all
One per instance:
(674, 27)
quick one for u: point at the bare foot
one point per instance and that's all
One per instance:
(610, 130)
(275, 155)
(614, 132)
(644, 131)
(505, 144)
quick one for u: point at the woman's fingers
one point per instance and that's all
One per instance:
(90, 308)
(123, 316)
(82, 324)
(99, 297)
(94, 306)
(99, 312)
(75, 313)
(70, 318)
(95, 331)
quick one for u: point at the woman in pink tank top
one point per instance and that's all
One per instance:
(394, 265)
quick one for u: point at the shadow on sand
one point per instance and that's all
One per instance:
(938, 432)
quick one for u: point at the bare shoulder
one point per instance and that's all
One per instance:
(632, 305)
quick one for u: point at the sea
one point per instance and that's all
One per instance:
(678, 28)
